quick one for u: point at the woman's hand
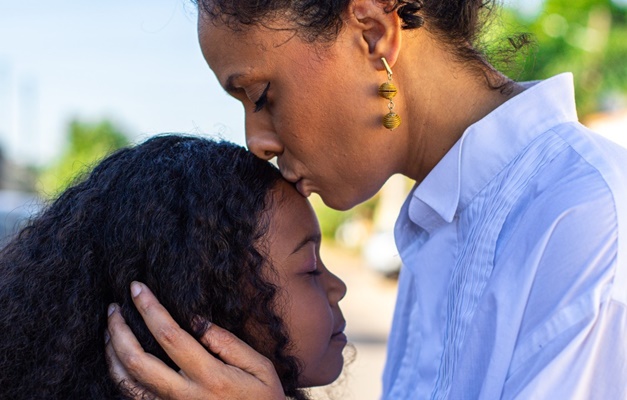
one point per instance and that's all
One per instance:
(240, 373)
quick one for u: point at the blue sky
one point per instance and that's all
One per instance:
(136, 62)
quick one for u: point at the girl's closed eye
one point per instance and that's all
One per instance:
(313, 268)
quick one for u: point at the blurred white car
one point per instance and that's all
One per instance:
(380, 253)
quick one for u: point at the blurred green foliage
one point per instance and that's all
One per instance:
(330, 219)
(87, 143)
(585, 37)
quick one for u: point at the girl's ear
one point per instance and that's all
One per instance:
(378, 31)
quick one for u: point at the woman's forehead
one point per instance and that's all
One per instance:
(264, 36)
(242, 52)
(222, 47)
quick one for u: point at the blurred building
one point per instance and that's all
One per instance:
(18, 200)
(16, 177)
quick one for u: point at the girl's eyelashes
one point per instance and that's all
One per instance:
(315, 269)
(263, 99)
(315, 272)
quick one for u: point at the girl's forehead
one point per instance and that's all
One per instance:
(290, 219)
(287, 201)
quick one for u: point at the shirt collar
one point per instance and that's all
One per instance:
(487, 146)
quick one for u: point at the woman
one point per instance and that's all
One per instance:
(199, 222)
(514, 282)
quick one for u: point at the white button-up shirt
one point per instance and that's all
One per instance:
(514, 250)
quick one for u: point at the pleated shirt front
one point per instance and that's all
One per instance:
(514, 250)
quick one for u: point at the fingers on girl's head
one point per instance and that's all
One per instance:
(132, 364)
(137, 288)
(200, 325)
(179, 345)
(236, 352)
(156, 317)
(121, 338)
(116, 369)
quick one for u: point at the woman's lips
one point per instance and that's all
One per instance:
(300, 186)
(299, 183)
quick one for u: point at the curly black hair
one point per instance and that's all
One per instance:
(457, 23)
(183, 214)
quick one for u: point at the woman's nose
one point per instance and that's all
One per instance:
(261, 139)
(264, 145)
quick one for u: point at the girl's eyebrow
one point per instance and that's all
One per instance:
(315, 238)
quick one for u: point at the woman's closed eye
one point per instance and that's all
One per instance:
(262, 100)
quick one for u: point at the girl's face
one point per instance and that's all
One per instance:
(309, 293)
(313, 106)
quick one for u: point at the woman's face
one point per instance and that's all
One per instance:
(315, 107)
(309, 293)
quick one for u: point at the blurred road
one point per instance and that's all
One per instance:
(368, 308)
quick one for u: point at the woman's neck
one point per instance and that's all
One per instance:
(443, 98)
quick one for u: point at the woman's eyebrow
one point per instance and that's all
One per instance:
(315, 238)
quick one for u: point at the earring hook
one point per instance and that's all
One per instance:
(387, 67)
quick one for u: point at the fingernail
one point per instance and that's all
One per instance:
(136, 289)
(107, 336)
(111, 309)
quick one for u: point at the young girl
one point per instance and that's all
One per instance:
(215, 232)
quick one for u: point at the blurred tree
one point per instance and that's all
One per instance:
(87, 144)
(586, 37)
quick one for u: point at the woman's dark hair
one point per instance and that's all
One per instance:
(184, 215)
(457, 23)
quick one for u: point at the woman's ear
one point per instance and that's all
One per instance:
(379, 30)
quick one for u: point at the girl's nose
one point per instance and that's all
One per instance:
(337, 289)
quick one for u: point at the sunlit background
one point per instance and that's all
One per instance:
(79, 78)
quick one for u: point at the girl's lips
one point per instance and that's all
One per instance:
(340, 330)
(339, 337)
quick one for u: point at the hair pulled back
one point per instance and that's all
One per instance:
(181, 214)
(456, 23)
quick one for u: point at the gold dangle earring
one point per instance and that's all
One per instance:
(387, 90)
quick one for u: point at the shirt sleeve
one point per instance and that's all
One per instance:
(572, 342)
